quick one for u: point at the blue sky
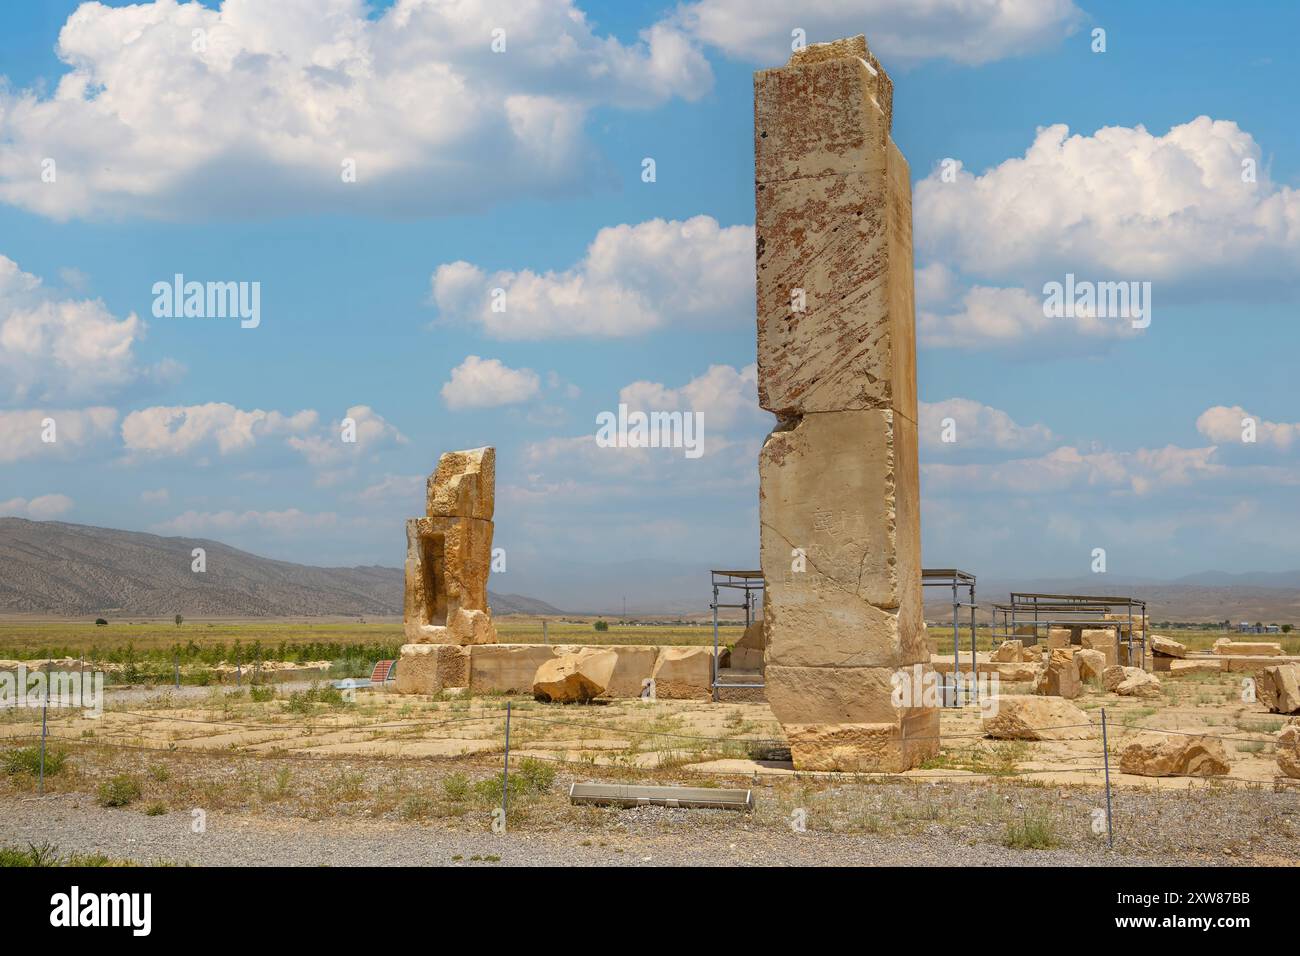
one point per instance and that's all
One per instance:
(223, 164)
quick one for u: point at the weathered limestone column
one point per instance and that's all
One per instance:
(448, 559)
(838, 477)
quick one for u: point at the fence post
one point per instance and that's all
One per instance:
(176, 667)
(546, 638)
(505, 772)
(1105, 760)
(239, 669)
(45, 707)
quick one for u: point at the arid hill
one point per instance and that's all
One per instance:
(50, 567)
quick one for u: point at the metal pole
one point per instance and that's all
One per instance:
(505, 771)
(1105, 759)
(546, 637)
(239, 669)
(972, 642)
(715, 643)
(956, 649)
(45, 706)
(176, 666)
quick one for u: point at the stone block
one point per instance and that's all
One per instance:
(431, 668)
(575, 678)
(506, 668)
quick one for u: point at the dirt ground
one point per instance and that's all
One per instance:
(435, 764)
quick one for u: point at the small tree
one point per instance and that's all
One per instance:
(100, 622)
(179, 620)
(601, 626)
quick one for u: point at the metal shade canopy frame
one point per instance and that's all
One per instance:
(956, 579)
(750, 584)
(1090, 611)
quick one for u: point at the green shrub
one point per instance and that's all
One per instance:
(537, 775)
(456, 786)
(155, 809)
(119, 791)
(1033, 831)
(300, 701)
(28, 760)
(261, 694)
(530, 777)
(416, 807)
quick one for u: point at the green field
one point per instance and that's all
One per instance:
(203, 642)
(212, 642)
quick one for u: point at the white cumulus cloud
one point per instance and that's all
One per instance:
(1122, 202)
(215, 426)
(898, 31)
(976, 425)
(487, 383)
(170, 109)
(634, 278)
(56, 348)
(23, 433)
(723, 395)
(41, 508)
(1227, 425)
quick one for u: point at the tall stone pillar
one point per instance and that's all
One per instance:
(838, 477)
(448, 559)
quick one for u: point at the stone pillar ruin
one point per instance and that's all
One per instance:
(448, 559)
(838, 476)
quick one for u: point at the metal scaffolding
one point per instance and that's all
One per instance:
(1075, 611)
(749, 583)
(956, 579)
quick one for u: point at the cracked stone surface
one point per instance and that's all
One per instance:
(838, 478)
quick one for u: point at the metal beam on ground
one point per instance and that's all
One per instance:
(619, 795)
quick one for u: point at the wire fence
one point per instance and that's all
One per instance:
(760, 749)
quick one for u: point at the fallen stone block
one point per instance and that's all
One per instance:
(1015, 652)
(1009, 651)
(1247, 648)
(1130, 682)
(1288, 750)
(684, 673)
(1249, 665)
(1153, 754)
(636, 665)
(1012, 672)
(1198, 665)
(748, 652)
(1030, 717)
(1100, 639)
(1058, 677)
(1166, 647)
(1278, 688)
(1058, 637)
(1090, 663)
(853, 748)
(574, 678)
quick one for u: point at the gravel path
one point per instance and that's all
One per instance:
(649, 836)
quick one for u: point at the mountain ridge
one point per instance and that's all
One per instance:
(54, 567)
